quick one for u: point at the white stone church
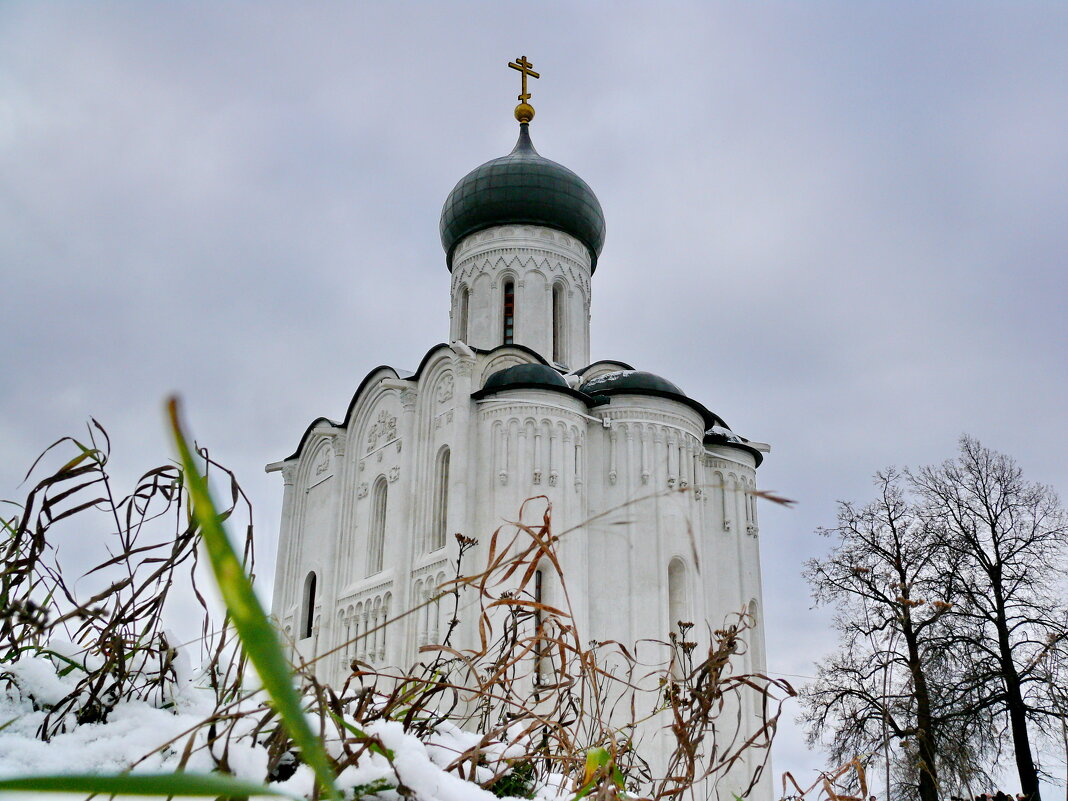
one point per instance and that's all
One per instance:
(512, 407)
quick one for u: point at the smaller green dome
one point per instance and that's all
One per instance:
(631, 381)
(721, 435)
(524, 376)
(521, 188)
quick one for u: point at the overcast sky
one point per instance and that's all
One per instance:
(842, 226)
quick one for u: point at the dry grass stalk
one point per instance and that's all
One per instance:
(569, 709)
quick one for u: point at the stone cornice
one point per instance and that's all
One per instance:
(532, 237)
(464, 271)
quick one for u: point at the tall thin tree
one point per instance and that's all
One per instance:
(889, 582)
(1006, 538)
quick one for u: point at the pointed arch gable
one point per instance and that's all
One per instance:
(533, 354)
(378, 373)
(430, 354)
(317, 424)
(503, 356)
(382, 371)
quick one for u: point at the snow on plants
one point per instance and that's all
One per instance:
(147, 738)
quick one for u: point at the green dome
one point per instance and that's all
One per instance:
(523, 188)
(524, 376)
(631, 381)
(639, 382)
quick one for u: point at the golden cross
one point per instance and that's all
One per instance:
(524, 68)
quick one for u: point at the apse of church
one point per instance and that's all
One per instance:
(512, 408)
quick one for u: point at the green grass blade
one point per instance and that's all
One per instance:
(213, 785)
(258, 636)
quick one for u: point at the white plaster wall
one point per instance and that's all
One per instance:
(511, 446)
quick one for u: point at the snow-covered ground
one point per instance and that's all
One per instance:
(135, 728)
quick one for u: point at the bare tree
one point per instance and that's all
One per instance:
(892, 587)
(952, 630)
(1056, 687)
(1005, 537)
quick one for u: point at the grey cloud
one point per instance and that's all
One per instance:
(841, 226)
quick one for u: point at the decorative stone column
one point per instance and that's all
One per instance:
(398, 635)
(283, 578)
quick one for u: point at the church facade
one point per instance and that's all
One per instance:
(512, 407)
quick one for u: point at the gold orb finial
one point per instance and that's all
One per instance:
(524, 112)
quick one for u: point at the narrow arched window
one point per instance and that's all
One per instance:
(678, 599)
(509, 313)
(441, 502)
(680, 615)
(719, 486)
(377, 531)
(307, 617)
(558, 323)
(464, 306)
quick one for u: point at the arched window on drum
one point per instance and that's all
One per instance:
(508, 316)
(559, 323)
(463, 307)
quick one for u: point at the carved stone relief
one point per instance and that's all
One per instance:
(445, 389)
(323, 461)
(384, 430)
